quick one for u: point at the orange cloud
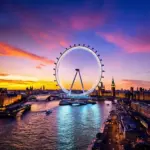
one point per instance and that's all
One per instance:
(16, 81)
(42, 65)
(38, 67)
(138, 43)
(4, 74)
(8, 50)
(21, 84)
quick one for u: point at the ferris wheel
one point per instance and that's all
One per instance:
(77, 71)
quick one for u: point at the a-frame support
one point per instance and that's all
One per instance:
(77, 71)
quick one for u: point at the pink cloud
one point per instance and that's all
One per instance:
(82, 22)
(127, 83)
(49, 37)
(88, 18)
(64, 43)
(41, 38)
(137, 43)
(52, 36)
(40, 66)
(135, 83)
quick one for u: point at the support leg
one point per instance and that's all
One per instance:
(73, 81)
(81, 82)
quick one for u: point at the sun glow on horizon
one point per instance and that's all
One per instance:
(31, 38)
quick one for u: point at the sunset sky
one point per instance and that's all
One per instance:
(34, 32)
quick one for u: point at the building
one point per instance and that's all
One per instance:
(102, 89)
(8, 98)
(95, 93)
(104, 93)
(142, 108)
(131, 89)
(113, 88)
(107, 93)
(142, 94)
(139, 94)
(3, 90)
(29, 90)
(128, 127)
(121, 94)
(147, 95)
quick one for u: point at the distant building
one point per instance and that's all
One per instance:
(102, 89)
(139, 94)
(102, 92)
(131, 89)
(131, 92)
(147, 95)
(107, 93)
(95, 93)
(113, 88)
(121, 94)
(29, 90)
(3, 90)
(99, 90)
(142, 94)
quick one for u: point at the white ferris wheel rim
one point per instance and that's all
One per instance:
(59, 61)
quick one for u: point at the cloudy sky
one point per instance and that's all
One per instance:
(34, 32)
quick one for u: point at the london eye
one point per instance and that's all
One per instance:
(98, 59)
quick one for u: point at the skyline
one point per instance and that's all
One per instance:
(32, 35)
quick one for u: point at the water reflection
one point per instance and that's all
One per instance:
(42, 106)
(66, 128)
(78, 123)
(84, 111)
(96, 113)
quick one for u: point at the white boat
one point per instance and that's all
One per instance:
(78, 102)
(91, 102)
(75, 102)
(48, 112)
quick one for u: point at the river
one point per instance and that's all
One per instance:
(66, 128)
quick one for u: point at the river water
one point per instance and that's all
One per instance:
(66, 128)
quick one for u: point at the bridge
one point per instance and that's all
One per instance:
(47, 97)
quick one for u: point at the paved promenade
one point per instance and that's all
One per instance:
(111, 132)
